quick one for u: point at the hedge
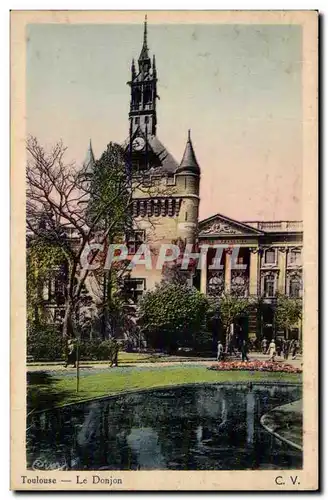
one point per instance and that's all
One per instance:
(46, 343)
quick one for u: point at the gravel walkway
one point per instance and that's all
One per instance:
(91, 369)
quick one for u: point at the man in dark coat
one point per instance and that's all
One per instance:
(244, 350)
(114, 353)
(71, 353)
(285, 348)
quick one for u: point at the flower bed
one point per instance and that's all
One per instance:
(256, 366)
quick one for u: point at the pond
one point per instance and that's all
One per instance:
(194, 427)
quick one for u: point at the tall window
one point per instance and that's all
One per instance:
(295, 288)
(270, 257)
(59, 289)
(269, 286)
(294, 256)
(46, 292)
(134, 240)
(136, 98)
(147, 94)
(134, 289)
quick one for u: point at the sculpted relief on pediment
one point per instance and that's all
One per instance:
(220, 227)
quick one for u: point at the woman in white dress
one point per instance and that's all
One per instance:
(272, 350)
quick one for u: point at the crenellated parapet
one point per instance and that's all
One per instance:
(162, 207)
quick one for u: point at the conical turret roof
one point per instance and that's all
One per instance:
(89, 161)
(189, 162)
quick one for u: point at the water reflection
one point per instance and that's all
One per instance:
(188, 428)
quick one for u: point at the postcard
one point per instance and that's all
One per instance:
(164, 223)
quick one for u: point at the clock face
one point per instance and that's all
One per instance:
(138, 143)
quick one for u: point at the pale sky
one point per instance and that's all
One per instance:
(237, 87)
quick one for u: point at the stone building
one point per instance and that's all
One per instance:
(259, 259)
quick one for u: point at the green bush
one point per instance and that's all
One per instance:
(45, 343)
(89, 350)
(172, 316)
(104, 350)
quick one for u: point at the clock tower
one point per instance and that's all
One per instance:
(143, 86)
(166, 195)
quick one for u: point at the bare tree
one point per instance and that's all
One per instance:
(59, 212)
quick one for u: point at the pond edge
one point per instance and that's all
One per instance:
(276, 434)
(160, 388)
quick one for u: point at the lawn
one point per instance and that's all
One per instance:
(47, 390)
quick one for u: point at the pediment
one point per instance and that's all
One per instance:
(220, 225)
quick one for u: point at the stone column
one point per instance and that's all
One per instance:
(282, 254)
(253, 271)
(203, 271)
(227, 271)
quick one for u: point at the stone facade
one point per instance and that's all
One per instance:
(258, 259)
(271, 253)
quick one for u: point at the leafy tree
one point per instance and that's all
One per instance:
(41, 259)
(110, 194)
(229, 308)
(288, 311)
(172, 315)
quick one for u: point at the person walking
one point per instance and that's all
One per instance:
(114, 352)
(71, 353)
(279, 348)
(219, 355)
(294, 348)
(243, 349)
(272, 350)
(285, 348)
(264, 345)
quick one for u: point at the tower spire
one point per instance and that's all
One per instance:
(144, 60)
(89, 161)
(145, 32)
(133, 69)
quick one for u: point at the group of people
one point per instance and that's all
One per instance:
(273, 348)
(243, 350)
(280, 347)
